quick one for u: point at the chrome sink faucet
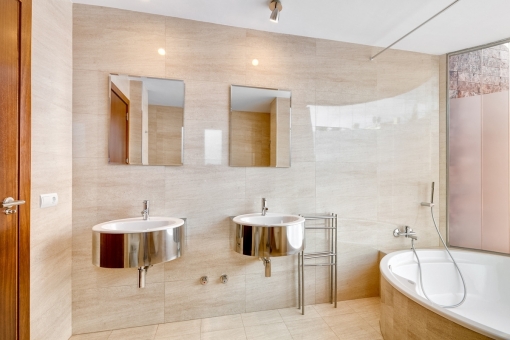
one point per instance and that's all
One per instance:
(407, 233)
(145, 211)
(264, 207)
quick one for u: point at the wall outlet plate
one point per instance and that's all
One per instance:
(48, 200)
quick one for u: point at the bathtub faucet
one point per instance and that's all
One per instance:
(407, 233)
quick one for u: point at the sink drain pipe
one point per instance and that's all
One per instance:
(142, 273)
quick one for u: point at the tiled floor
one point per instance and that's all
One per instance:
(351, 320)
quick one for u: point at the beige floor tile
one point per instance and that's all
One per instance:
(368, 305)
(135, 333)
(292, 313)
(351, 326)
(261, 318)
(195, 336)
(314, 328)
(226, 334)
(92, 336)
(274, 331)
(221, 323)
(327, 309)
(177, 330)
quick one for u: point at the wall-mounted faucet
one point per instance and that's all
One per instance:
(264, 207)
(145, 211)
(407, 233)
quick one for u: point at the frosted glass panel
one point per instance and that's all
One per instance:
(465, 172)
(495, 210)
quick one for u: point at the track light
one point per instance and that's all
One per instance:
(275, 6)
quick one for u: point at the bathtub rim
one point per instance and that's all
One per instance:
(444, 312)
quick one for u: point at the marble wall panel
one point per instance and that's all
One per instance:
(51, 170)
(364, 140)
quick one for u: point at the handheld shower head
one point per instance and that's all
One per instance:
(431, 203)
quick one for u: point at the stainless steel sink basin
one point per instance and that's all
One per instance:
(269, 235)
(137, 243)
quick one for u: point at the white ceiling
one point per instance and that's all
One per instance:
(164, 92)
(254, 99)
(371, 22)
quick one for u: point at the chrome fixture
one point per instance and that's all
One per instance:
(330, 226)
(142, 272)
(224, 278)
(268, 236)
(431, 203)
(275, 6)
(204, 280)
(9, 203)
(435, 15)
(408, 232)
(267, 263)
(135, 243)
(145, 211)
(264, 207)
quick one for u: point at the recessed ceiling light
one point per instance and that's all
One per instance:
(254, 62)
(161, 51)
(275, 6)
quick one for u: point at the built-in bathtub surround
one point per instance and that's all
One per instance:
(406, 313)
(51, 228)
(364, 145)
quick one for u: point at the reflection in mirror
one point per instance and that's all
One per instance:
(146, 120)
(259, 127)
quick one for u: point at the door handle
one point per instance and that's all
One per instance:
(9, 203)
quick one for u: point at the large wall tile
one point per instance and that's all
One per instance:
(51, 170)
(116, 305)
(188, 299)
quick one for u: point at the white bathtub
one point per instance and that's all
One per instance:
(487, 306)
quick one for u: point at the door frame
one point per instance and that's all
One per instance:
(25, 100)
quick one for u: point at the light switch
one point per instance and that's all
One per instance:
(48, 200)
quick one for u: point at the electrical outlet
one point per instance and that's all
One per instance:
(48, 200)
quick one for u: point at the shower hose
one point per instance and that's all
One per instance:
(455, 263)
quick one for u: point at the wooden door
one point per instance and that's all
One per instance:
(119, 127)
(14, 167)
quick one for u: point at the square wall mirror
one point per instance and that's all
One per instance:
(146, 120)
(259, 127)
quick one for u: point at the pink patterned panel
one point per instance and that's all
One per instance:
(465, 172)
(495, 181)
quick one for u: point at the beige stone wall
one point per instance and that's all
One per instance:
(165, 135)
(135, 122)
(365, 145)
(283, 134)
(52, 128)
(250, 138)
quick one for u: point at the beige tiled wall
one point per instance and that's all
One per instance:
(365, 145)
(135, 121)
(251, 138)
(51, 228)
(165, 134)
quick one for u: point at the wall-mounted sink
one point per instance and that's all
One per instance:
(269, 235)
(137, 243)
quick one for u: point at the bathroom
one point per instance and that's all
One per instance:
(368, 137)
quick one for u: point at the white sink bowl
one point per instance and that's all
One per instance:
(137, 225)
(269, 220)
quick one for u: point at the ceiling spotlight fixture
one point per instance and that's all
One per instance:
(275, 6)
(161, 51)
